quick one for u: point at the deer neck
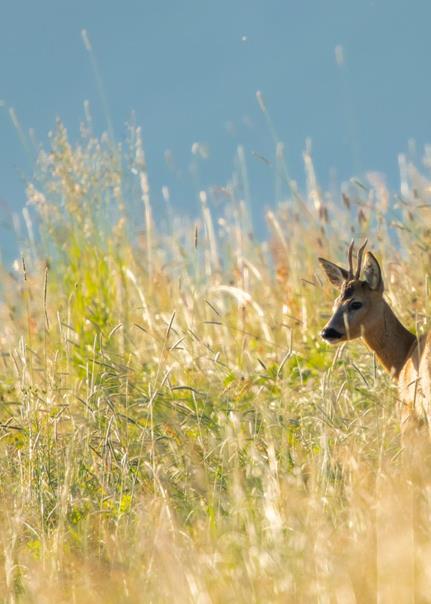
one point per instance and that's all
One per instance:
(390, 340)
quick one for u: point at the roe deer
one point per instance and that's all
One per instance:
(361, 311)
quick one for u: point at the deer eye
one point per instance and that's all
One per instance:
(355, 305)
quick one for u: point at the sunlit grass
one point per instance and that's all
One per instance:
(172, 427)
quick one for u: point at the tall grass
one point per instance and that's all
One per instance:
(172, 427)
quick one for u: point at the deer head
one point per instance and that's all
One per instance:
(359, 306)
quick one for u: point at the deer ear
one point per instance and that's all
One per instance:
(372, 272)
(335, 273)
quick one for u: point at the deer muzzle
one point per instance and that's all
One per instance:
(331, 335)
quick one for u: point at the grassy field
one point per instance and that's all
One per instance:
(172, 427)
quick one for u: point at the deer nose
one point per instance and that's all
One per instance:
(329, 333)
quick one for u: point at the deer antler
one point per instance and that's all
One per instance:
(359, 264)
(360, 254)
(351, 246)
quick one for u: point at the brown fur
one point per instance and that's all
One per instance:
(405, 356)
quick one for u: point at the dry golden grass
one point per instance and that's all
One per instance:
(172, 428)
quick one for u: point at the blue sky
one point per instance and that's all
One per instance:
(190, 71)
